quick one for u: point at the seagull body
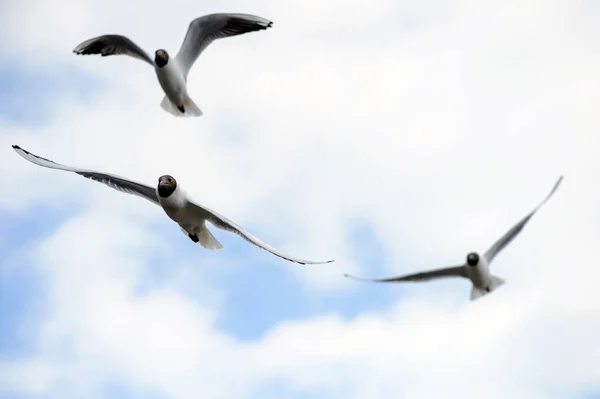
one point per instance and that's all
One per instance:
(477, 267)
(190, 216)
(174, 85)
(172, 73)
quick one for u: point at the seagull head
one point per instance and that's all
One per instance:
(161, 57)
(472, 259)
(166, 185)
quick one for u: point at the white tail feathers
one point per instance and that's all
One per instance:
(168, 106)
(189, 107)
(495, 282)
(205, 238)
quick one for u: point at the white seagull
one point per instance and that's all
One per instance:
(190, 216)
(476, 268)
(172, 73)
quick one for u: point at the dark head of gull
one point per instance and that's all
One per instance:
(472, 259)
(161, 58)
(166, 185)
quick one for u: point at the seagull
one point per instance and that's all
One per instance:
(190, 216)
(476, 268)
(172, 73)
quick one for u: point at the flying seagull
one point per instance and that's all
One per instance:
(476, 268)
(172, 73)
(190, 216)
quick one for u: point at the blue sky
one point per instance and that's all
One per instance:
(24, 101)
(390, 155)
(260, 295)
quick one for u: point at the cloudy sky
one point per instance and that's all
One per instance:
(391, 136)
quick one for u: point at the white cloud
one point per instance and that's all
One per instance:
(440, 124)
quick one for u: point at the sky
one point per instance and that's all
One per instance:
(393, 137)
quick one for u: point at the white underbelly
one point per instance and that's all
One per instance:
(173, 213)
(479, 276)
(181, 216)
(172, 83)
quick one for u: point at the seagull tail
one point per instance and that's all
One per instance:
(190, 109)
(204, 237)
(495, 282)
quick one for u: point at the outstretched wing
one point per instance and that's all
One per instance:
(112, 181)
(112, 45)
(516, 229)
(222, 222)
(454, 271)
(203, 30)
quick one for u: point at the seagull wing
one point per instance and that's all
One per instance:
(113, 181)
(221, 222)
(203, 30)
(516, 229)
(112, 45)
(454, 271)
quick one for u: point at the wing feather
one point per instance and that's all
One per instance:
(447, 272)
(202, 31)
(112, 181)
(516, 229)
(224, 223)
(112, 45)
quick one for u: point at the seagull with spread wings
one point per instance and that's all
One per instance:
(172, 73)
(476, 268)
(189, 215)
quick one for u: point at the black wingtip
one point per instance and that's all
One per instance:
(328, 261)
(17, 148)
(556, 185)
(315, 263)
